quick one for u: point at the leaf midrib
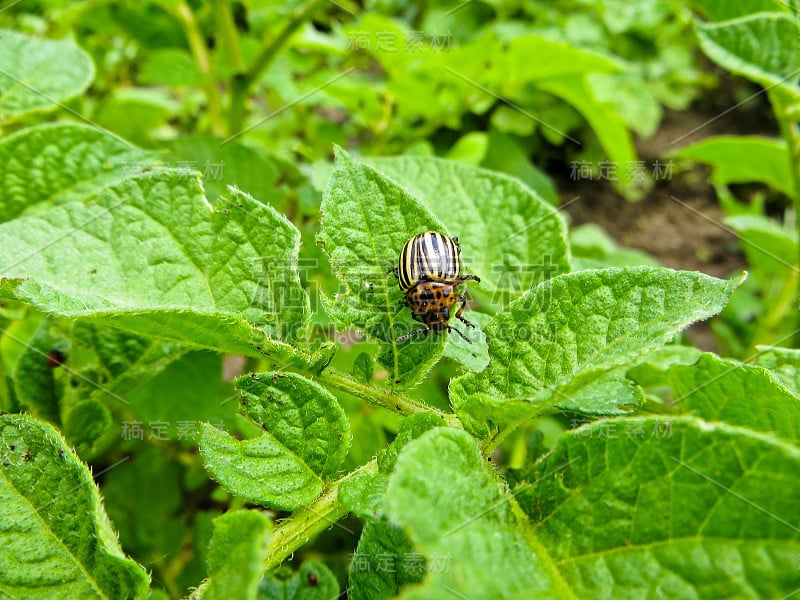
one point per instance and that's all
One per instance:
(50, 532)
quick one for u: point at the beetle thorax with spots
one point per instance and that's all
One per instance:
(431, 301)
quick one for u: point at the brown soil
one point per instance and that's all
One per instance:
(679, 222)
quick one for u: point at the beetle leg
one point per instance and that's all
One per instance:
(461, 310)
(465, 338)
(464, 278)
(393, 271)
(410, 334)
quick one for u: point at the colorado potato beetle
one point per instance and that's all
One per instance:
(428, 271)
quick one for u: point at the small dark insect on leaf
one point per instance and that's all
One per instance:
(56, 358)
(26, 456)
(12, 447)
(313, 580)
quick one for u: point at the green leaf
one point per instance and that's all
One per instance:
(61, 162)
(593, 248)
(762, 47)
(148, 255)
(363, 367)
(722, 10)
(125, 361)
(363, 493)
(474, 356)
(229, 164)
(769, 246)
(470, 148)
(89, 427)
(172, 403)
(716, 389)
(767, 160)
(57, 541)
(383, 563)
(610, 395)
(784, 364)
(303, 416)
(34, 381)
(236, 555)
(609, 127)
(312, 581)
(632, 99)
(655, 370)
(699, 510)
(509, 235)
(554, 59)
(136, 113)
(506, 155)
(366, 221)
(153, 529)
(411, 428)
(259, 469)
(37, 74)
(449, 503)
(565, 333)
(171, 67)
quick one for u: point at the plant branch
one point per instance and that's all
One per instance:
(787, 111)
(294, 20)
(385, 398)
(203, 60)
(304, 524)
(244, 80)
(228, 33)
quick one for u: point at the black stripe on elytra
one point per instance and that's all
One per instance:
(436, 256)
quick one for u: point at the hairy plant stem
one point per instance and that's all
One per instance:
(5, 395)
(203, 60)
(394, 401)
(324, 512)
(230, 41)
(243, 81)
(228, 33)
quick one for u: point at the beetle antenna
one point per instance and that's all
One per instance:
(466, 339)
(404, 337)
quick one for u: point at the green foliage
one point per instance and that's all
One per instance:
(767, 160)
(234, 555)
(56, 163)
(704, 509)
(39, 73)
(302, 416)
(134, 277)
(719, 390)
(498, 220)
(312, 581)
(366, 219)
(261, 469)
(577, 327)
(176, 265)
(784, 363)
(763, 48)
(58, 541)
(447, 498)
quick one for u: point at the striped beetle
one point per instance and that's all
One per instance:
(428, 272)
